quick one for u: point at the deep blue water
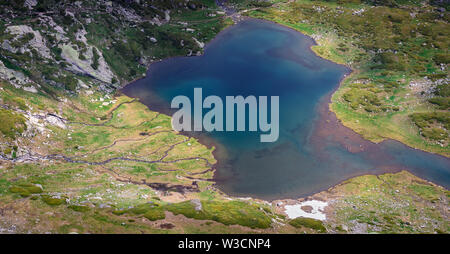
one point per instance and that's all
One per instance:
(261, 58)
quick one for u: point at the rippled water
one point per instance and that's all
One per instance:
(314, 151)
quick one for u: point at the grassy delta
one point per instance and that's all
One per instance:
(398, 51)
(155, 166)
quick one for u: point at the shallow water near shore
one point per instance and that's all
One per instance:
(314, 151)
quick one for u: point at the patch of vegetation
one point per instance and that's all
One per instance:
(435, 133)
(12, 123)
(228, 213)
(53, 200)
(95, 58)
(151, 211)
(155, 213)
(260, 4)
(15, 101)
(442, 102)
(390, 203)
(443, 90)
(308, 223)
(363, 98)
(70, 83)
(442, 99)
(434, 125)
(11, 61)
(24, 39)
(370, 96)
(25, 189)
(66, 229)
(79, 208)
(412, 47)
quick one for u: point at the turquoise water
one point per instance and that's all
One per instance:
(261, 58)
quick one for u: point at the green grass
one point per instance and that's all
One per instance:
(308, 223)
(25, 189)
(427, 123)
(425, 191)
(12, 123)
(442, 102)
(390, 203)
(151, 211)
(79, 208)
(228, 213)
(52, 200)
(14, 101)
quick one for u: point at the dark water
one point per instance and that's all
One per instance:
(262, 58)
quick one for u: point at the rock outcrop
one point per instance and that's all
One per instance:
(72, 56)
(37, 42)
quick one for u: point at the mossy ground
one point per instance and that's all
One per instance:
(77, 198)
(12, 124)
(389, 203)
(308, 223)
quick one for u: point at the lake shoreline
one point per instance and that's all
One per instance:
(323, 104)
(208, 141)
(348, 125)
